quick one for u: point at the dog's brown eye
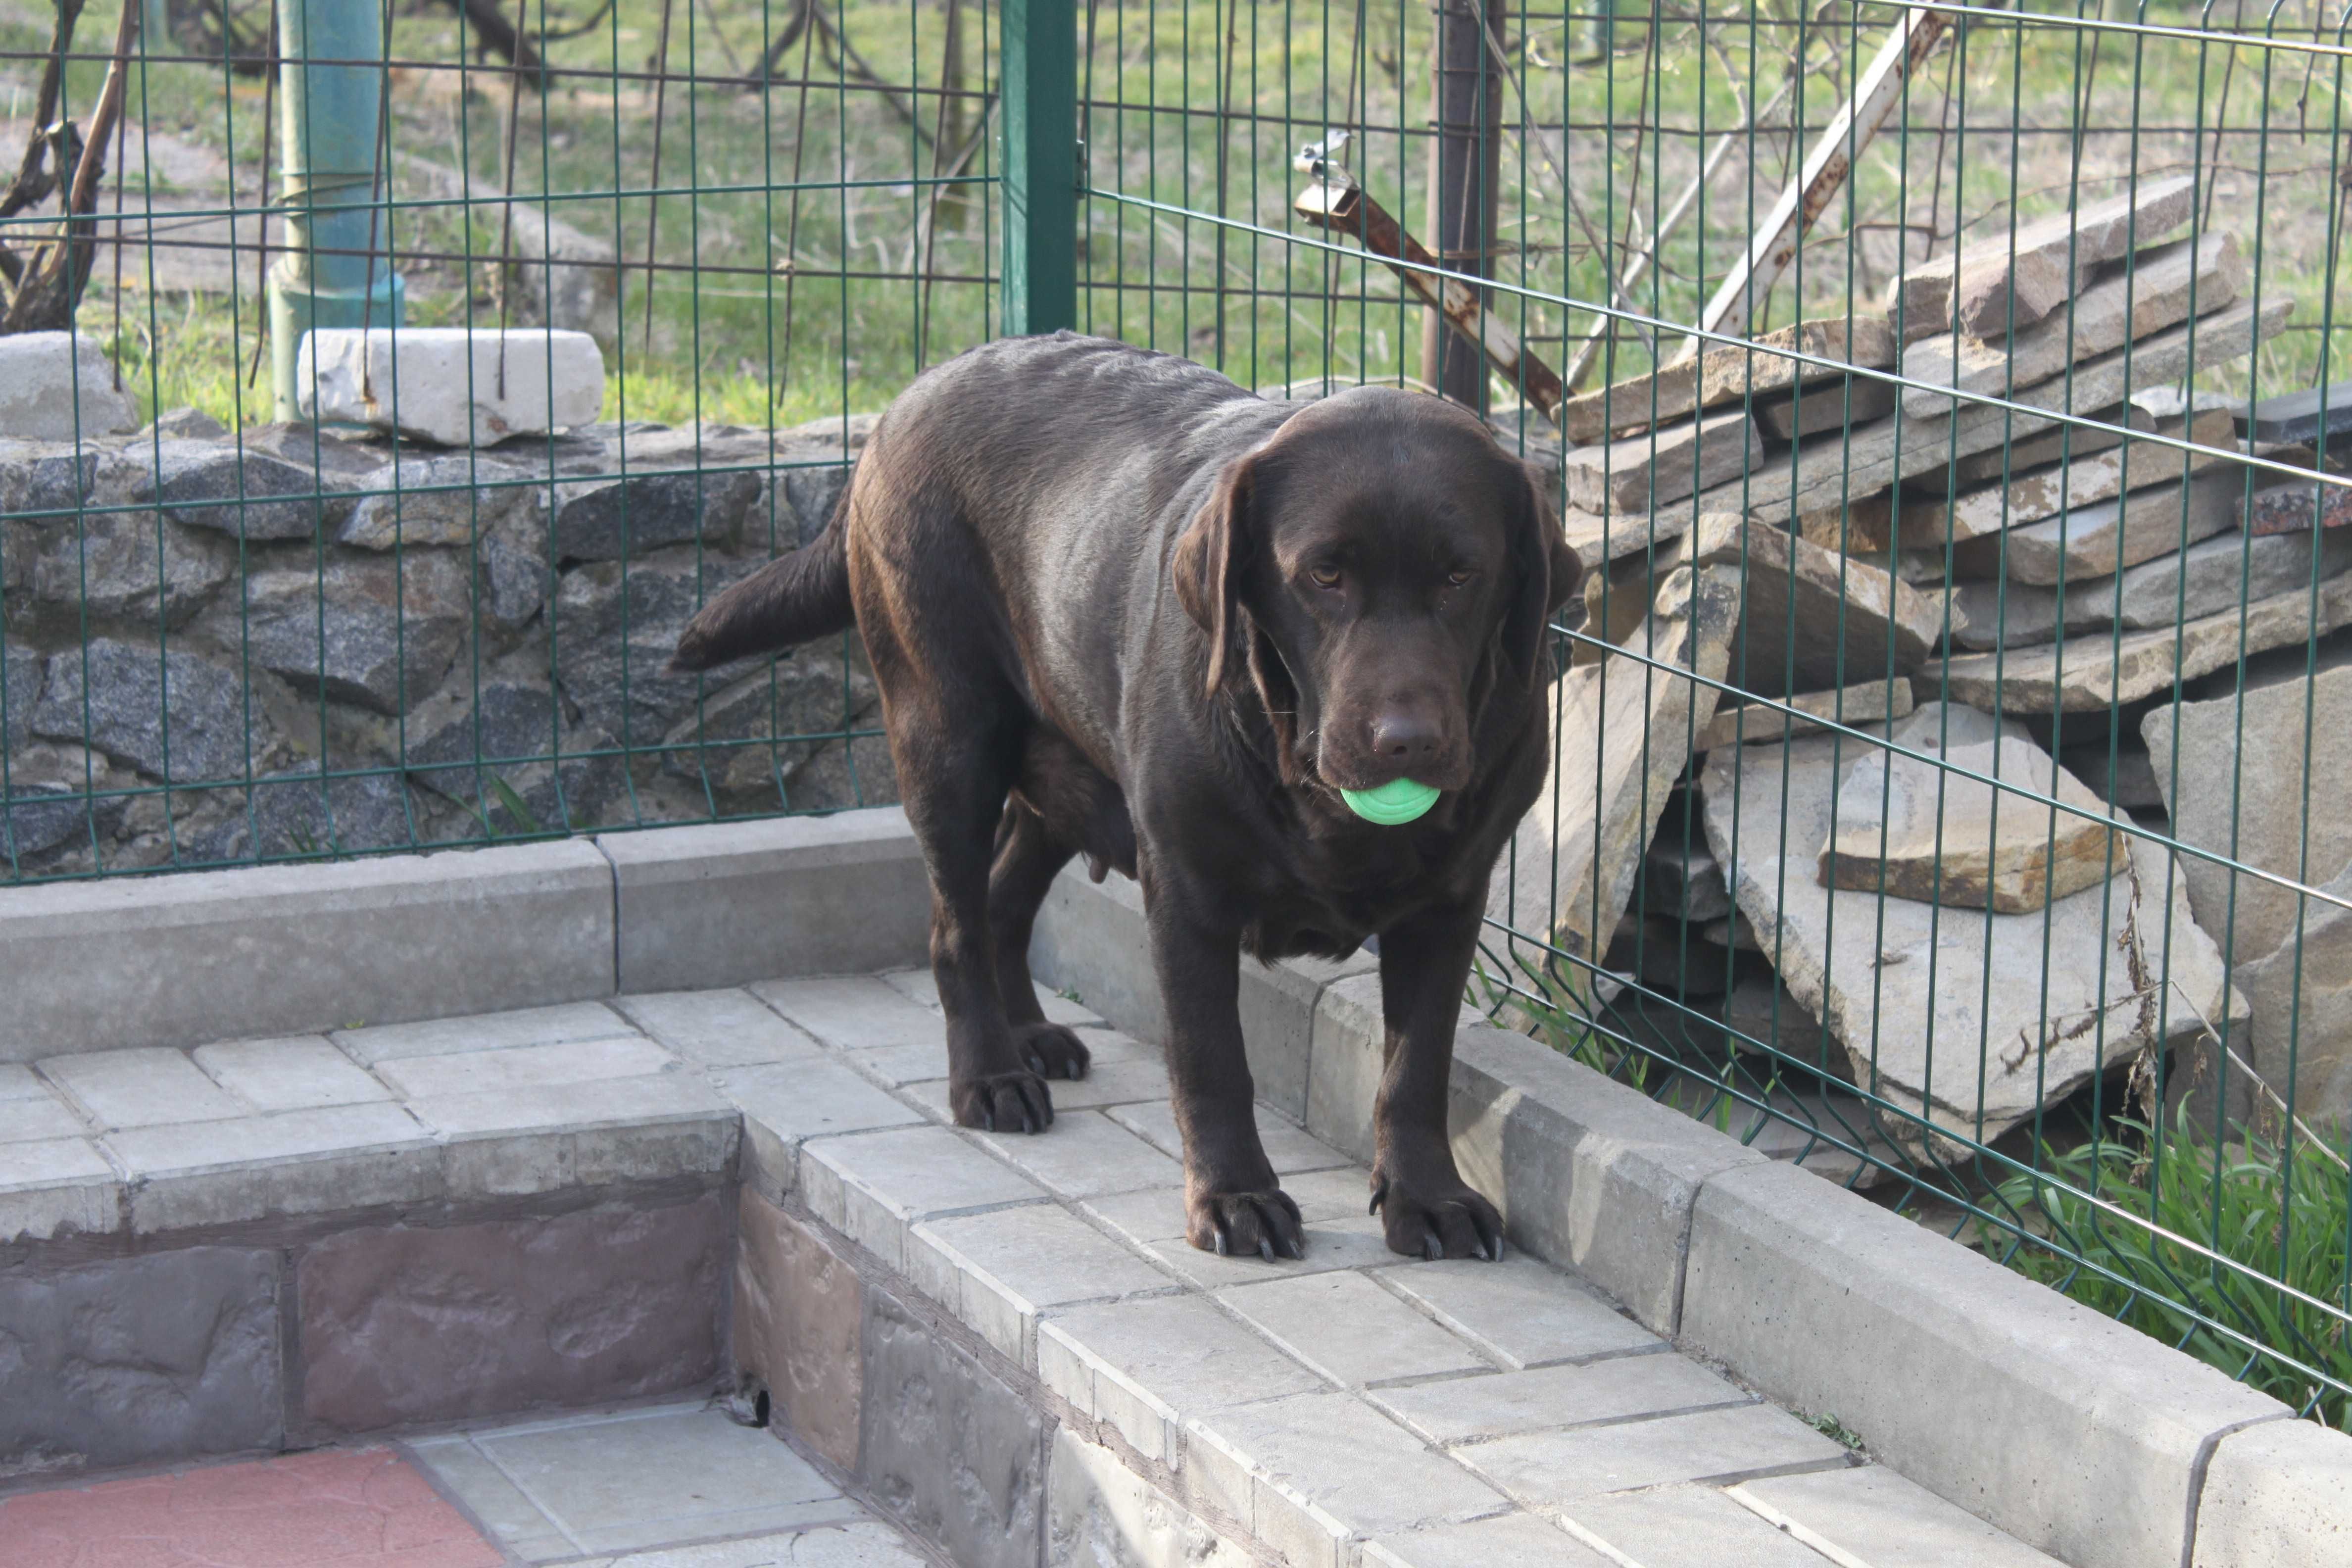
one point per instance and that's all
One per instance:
(1326, 576)
(1458, 576)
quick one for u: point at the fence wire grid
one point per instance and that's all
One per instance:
(1942, 742)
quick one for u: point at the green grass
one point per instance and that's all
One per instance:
(2277, 1211)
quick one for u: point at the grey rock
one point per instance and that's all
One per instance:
(1681, 877)
(443, 500)
(514, 576)
(133, 567)
(652, 601)
(247, 496)
(377, 633)
(806, 693)
(184, 424)
(290, 814)
(948, 1448)
(811, 494)
(39, 818)
(836, 777)
(47, 477)
(159, 1357)
(514, 729)
(21, 672)
(143, 705)
(309, 447)
(604, 519)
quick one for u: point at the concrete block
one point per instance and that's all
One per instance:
(60, 386)
(521, 1070)
(2277, 1495)
(947, 1446)
(301, 1072)
(999, 1271)
(214, 955)
(798, 1326)
(608, 1130)
(787, 1104)
(459, 386)
(919, 986)
(856, 1012)
(2075, 1434)
(614, 1302)
(1356, 1241)
(1101, 1514)
(56, 1187)
(1344, 1075)
(1550, 1469)
(1290, 1150)
(723, 1029)
(1695, 1527)
(876, 1186)
(1090, 938)
(1277, 1007)
(140, 1359)
(1145, 1367)
(194, 1173)
(1507, 1538)
(139, 1088)
(727, 903)
(1325, 1468)
(30, 1112)
(561, 1024)
(1873, 1515)
(1085, 1154)
(1121, 1084)
(1351, 1330)
(1624, 1388)
(1589, 1174)
(1520, 1311)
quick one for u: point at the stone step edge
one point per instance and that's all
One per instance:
(188, 958)
(2079, 1436)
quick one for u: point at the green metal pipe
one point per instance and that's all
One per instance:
(331, 274)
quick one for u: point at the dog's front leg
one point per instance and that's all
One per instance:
(1232, 1201)
(1426, 1209)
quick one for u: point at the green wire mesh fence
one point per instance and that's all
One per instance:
(1939, 398)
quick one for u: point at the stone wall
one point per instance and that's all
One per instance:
(183, 605)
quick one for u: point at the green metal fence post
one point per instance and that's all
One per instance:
(1039, 77)
(330, 124)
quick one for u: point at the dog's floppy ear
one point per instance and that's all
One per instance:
(1210, 559)
(1545, 572)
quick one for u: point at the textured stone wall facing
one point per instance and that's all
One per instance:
(239, 615)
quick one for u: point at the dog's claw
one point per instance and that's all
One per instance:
(987, 1120)
(1224, 1242)
(1297, 1249)
(1379, 1196)
(1430, 1248)
(1265, 1248)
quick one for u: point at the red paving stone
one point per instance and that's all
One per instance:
(364, 1507)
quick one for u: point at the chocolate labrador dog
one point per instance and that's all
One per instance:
(1118, 606)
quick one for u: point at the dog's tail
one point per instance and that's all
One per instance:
(793, 599)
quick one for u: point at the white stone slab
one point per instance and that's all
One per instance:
(723, 1029)
(1350, 1330)
(456, 385)
(139, 1088)
(300, 1073)
(60, 386)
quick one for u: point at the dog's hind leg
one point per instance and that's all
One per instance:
(1028, 857)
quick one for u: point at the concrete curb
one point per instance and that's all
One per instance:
(187, 959)
(2076, 1434)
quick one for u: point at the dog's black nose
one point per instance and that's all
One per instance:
(1404, 738)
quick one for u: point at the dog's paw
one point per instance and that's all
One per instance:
(1437, 1220)
(1002, 1103)
(1051, 1051)
(1238, 1223)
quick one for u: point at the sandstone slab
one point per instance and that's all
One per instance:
(1939, 833)
(2106, 536)
(1642, 472)
(2100, 670)
(2160, 288)
(1812, 619)
(2048, 258)
(60, 386)
(2205, 579)
(2101, 430)
(1832, 406)
(404, 1324)
(1728, 374)
(455, 385)
(800, 1313)
(1819, 473)
(2077, 483)
(1752, 723)
(1625, 726)
(1969, 1020)
(2298, 507)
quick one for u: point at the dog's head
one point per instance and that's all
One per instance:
(1380, 570)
